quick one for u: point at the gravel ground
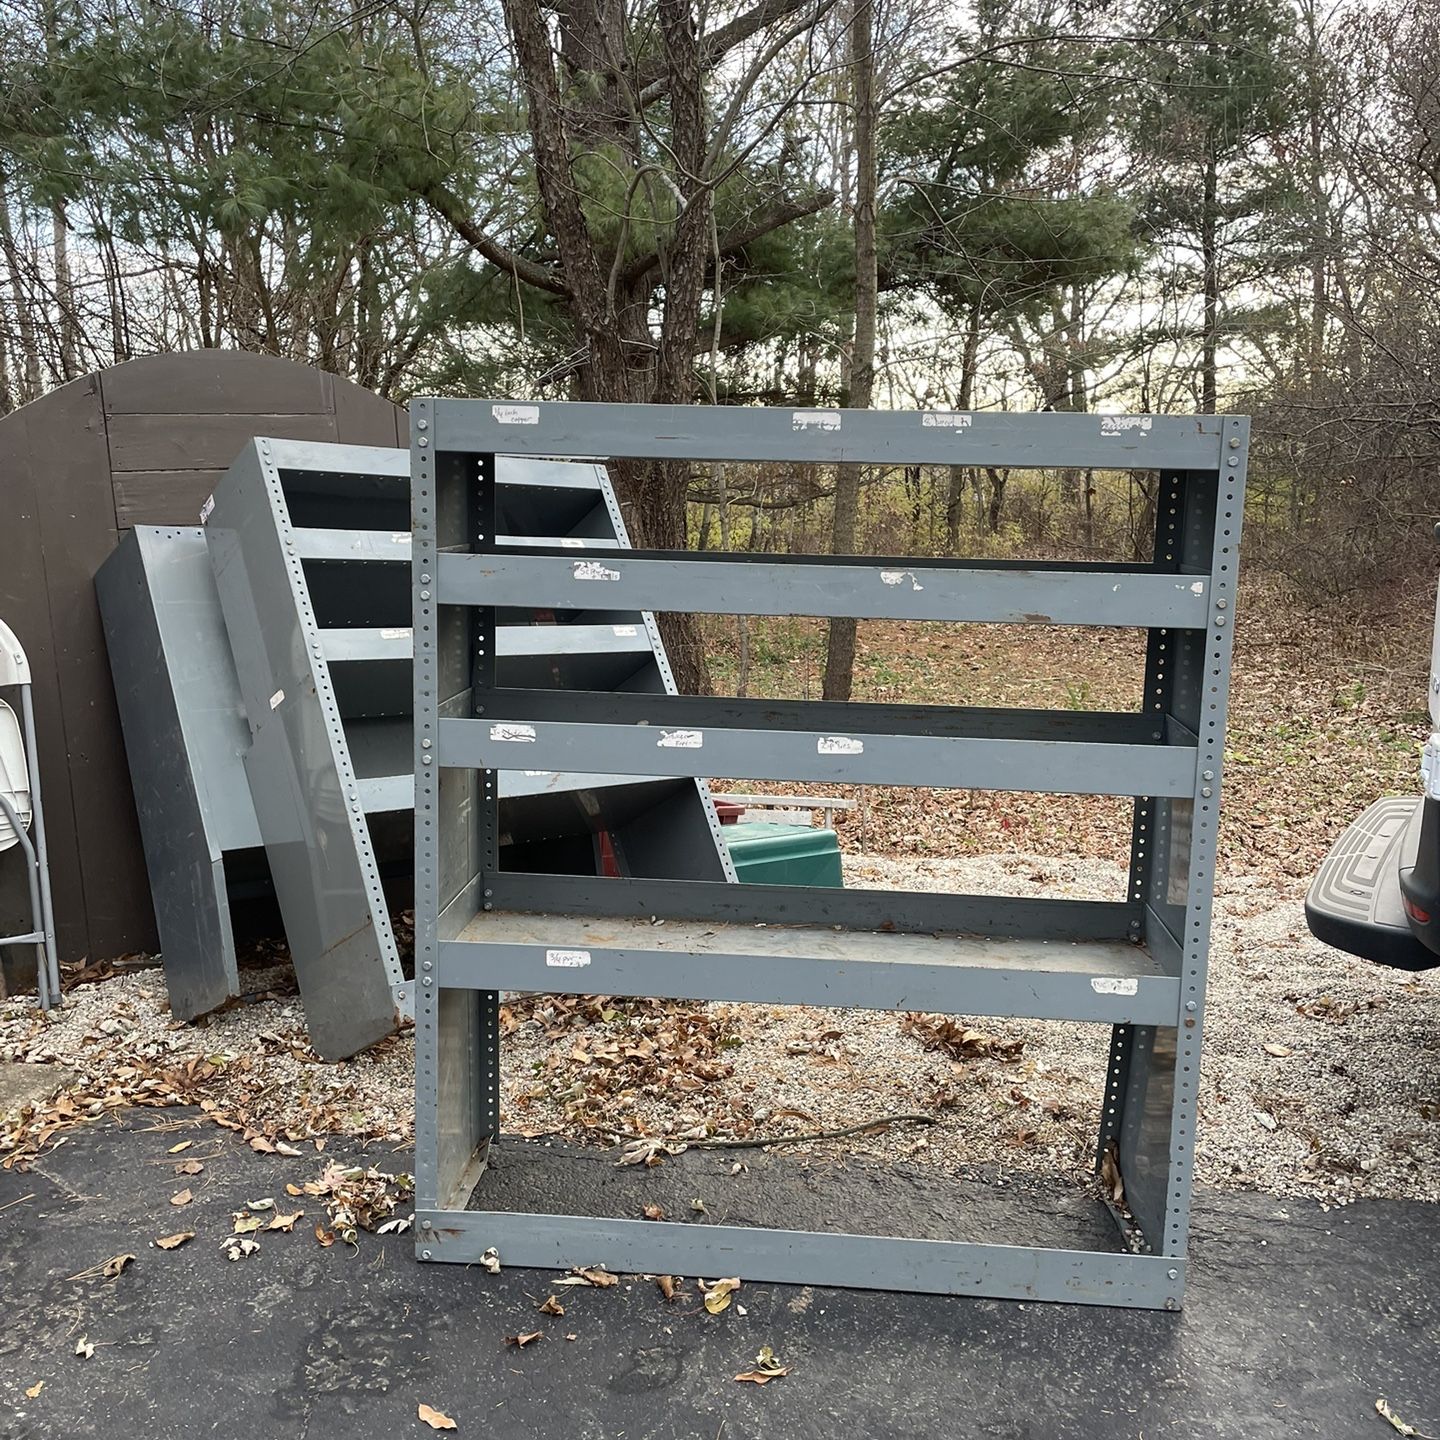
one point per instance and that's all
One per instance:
(1344, 1102)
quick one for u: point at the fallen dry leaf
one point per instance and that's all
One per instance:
(521, 1341)
(436, 1419)
(667, 1285)
(959, 1042)
(653, 1212)
(83, 1348)
(490, 1261)
(552, 1306)
(115, 1264)
(718, 1295)
(178, 1149)
(589, 1275)
(174, 1242)
(190, 1167)
(246, 1224)
(767, 1368)
(262, 1146)
(293, 1190)
(33, 1393)
(1386, 1413)
(1267, 1120)
(1110, 1176)
(183, 1198)
(324, 1236)
(237, 1247)
(1277, 1050)
(285, 1222)
(289, 1151)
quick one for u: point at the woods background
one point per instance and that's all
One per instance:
(1148, 205)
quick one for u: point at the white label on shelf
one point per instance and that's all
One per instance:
(626, 632)
(899, 577)
(207, 509)
(567, 959)
(396, 634)
(839, 745)
(681, 739)
(399, 537)
(523, 733)
(1125, 424)
(276, 698)
(1114, 985)
(944, 420)
(594, 570)
(516, 414)
(815, 420)
(571, 542)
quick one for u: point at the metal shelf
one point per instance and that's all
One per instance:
(1109, 981)
(856, 757)
(872, 590)
(1136, 964)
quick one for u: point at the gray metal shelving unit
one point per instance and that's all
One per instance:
(1136, 964)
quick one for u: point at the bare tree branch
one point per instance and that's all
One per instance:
(655, 80)
(531, 272)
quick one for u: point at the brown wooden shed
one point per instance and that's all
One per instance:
(140, 444)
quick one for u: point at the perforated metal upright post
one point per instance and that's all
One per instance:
(1136, 964)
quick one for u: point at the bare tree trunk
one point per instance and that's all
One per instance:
(998, 480)
(955, 499)
(25, 318)
(1210, 261)
(840, 646)
(65, 295)
(7, 394)
(1319, 209)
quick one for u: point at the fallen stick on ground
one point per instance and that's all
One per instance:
(757, 1142)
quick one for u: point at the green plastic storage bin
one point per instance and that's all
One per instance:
(768, 854)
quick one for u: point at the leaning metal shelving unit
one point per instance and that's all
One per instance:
(1136, 964)
(310, 551)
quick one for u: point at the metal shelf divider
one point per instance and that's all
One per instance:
(1137, 965)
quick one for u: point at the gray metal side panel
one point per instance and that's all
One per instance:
(184, 733)
(299, 771)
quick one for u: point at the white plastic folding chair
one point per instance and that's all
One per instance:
(20, 814)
